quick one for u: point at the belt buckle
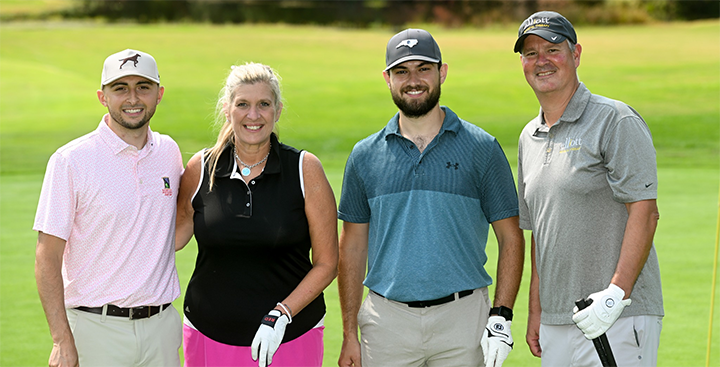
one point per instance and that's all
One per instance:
(133, 311)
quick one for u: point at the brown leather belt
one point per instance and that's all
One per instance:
(133, 313)
(435, 302)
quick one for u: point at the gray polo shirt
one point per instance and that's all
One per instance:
(574, 179)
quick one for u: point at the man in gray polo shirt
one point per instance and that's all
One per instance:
(587, 189)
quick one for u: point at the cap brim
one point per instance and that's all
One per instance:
(546, 35)
(106, 82)
(411, 58)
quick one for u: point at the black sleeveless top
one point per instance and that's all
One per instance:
(253, 249)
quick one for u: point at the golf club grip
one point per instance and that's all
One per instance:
(602, 345)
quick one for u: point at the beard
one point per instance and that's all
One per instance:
(117, 116)
(416, 108)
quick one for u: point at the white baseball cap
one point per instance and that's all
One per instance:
(129, 62)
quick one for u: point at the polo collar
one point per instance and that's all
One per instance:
(450, 123)
(115, 143)
(576, 106)
(227, 165)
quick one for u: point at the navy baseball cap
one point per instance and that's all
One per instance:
(411, 44)
(549, 25)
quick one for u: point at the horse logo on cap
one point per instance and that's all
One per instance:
(410, 43)
(134, 59)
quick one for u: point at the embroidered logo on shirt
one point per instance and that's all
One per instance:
(451, 165)
(167, 191)
(570, 145)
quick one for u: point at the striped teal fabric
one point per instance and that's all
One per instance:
(429, 212)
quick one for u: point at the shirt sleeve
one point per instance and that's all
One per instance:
(56, 207)
(354, 205)
(524, 212)
(630, 161)
(498, 195)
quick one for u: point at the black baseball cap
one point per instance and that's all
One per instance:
(549, 25)
(411, 44)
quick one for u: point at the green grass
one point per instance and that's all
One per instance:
(335, 95)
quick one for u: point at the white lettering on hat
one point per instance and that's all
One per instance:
(541, 20)
(408, 42)
(533, 21)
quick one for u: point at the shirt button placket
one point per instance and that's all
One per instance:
(549, 149)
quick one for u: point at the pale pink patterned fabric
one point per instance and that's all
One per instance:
(115, 206)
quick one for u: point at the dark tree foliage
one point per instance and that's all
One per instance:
(363, 13)
(698, 9)
(143, 11)
(295, 12)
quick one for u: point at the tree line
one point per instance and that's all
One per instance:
(366, 13)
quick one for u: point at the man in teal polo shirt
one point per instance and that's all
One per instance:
(417, 201)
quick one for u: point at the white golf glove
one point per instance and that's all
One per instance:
(605, 309)
(497, 341)
(268, 337)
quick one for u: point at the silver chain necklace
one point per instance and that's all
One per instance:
(246, 170)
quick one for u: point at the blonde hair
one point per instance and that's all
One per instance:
(249, 73)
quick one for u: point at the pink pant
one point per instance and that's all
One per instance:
(199, 350)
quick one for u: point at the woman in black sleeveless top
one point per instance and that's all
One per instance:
(257, 208)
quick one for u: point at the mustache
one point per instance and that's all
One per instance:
(414, 87)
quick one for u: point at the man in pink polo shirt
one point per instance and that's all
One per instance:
(105, 262)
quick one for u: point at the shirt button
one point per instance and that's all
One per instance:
(252, 182)
(247, 205)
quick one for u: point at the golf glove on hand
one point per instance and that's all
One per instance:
(268, 337)
(605, 309)
(497, 341)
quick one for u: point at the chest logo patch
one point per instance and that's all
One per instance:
(570, 145)
(452, 165)
(167, 191)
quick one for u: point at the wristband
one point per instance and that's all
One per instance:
(286, 308)
(503, 311)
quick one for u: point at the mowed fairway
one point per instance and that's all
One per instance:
(334, 96)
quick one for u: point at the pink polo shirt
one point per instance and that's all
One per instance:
(115, 206)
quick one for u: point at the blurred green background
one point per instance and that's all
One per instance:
(334, 96)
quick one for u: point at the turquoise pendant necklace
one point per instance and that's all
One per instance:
(245, 171)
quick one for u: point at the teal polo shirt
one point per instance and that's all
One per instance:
(429, 212)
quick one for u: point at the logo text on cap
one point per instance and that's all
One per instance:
(408, 43)
(532, 21)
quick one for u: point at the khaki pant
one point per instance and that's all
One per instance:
(393, 334)
(118, 341)
(634, 342)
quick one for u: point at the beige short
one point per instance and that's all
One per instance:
(118, 341)
(634, 342)
(393, 334)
